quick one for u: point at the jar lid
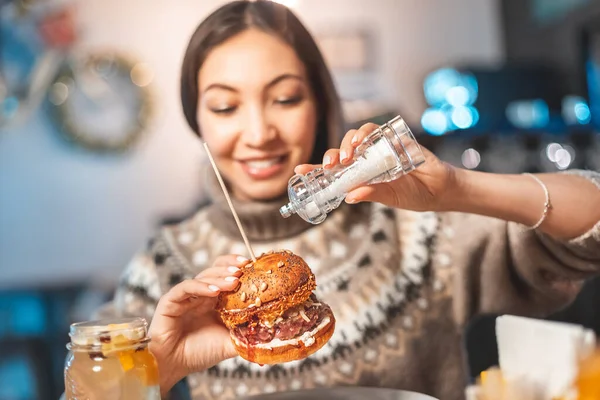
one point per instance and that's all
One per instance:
(117, 331)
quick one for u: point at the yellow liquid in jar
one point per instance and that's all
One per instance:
(127, 374)
(117, 372)
(587, 382)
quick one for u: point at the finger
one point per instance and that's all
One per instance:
(346, 149)
(230, 260)
(221, 283)
(200, 304)
(373, 193)
(205, 287)
(229, 350)
(169, 315)
(331, 158)
(362, 133)
(360, 195)
(305, 168)
(178, 300)
(191, 288)
(192, 293)
(354, 138)
(220, 272)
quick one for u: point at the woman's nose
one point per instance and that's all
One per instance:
(258, 131)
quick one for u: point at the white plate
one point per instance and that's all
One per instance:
(344, 393)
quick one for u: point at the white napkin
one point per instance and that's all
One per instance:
(541, 355)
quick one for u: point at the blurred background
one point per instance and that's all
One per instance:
(95, 154)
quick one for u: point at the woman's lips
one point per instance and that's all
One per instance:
(264, 168)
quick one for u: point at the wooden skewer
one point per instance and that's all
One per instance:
(226, 193)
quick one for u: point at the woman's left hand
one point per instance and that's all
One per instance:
(424, 189)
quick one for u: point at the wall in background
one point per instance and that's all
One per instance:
(67, 215)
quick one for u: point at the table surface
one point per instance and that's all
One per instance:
(344, 393)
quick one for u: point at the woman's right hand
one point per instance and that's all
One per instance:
(187, 334)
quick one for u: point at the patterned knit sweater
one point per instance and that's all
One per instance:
(402, 286)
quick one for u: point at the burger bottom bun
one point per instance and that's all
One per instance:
(289, 352)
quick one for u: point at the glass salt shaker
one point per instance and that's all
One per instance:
(110, 359)
(384, 155)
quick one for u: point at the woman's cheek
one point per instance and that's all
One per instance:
(220, 137)
(303, 130)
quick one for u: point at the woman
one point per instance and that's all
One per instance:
(402, 284)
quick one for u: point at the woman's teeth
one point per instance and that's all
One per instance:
(261, 164)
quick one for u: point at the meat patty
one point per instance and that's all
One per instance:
(290, 325)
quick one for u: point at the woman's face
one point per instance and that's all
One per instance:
(257, 113)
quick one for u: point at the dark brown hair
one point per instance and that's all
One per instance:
(276, 19)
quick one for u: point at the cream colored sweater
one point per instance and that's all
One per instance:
(402, 286)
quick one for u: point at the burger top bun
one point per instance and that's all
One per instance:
(272, 284)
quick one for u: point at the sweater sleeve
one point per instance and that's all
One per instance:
(504, 267)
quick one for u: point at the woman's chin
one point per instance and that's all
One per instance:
(263, 191)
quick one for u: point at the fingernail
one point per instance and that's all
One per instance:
(326, 160)
(231, 278)
(343, 155)
(213, 288)
(241, 259)
(351, 200)
(354, 139)
(233, 269)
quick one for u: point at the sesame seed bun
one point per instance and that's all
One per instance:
(273, 316)
(274, 283)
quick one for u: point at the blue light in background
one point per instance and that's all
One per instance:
(31, 317)
(435, 121)
(458, 96)
(23, 314)
(575, 110)
(528, 114)
(593, 86)
(475, 115)
(583, 114)
(464, 117)
(449, 86)
(451, 95)
(470, 82)
(16, 379)
(437, 84)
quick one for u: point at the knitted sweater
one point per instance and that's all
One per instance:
(401, 284)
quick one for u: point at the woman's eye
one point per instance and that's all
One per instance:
(288, 100)
(224, 110)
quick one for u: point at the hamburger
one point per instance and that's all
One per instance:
(273, 316)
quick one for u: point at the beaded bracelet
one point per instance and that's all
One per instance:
(547, 203)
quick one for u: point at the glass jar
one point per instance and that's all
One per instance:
(587, 382)
(109, 359)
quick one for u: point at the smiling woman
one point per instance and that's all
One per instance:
(258, 122)
(260, 95)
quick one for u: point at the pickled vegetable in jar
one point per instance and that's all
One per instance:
(109, 359)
